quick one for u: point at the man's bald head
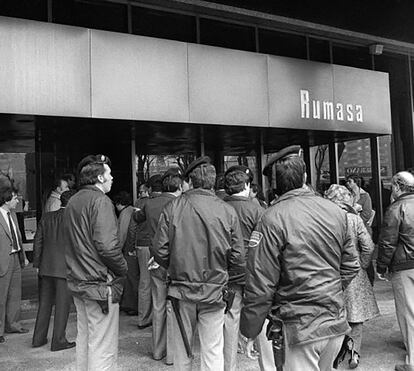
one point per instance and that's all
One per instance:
(404, 181)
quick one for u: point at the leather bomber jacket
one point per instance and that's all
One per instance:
(396, 241)
(199, 241)
(93, 254)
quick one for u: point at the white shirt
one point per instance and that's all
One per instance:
(5, 217)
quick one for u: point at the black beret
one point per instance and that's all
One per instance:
(93, 159)
(242, 169)
(291, 151)
(172, 172)
(203, 160)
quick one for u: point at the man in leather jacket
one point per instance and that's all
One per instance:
(95, 265)
(301, 257)
(199, 241)
(396, 253)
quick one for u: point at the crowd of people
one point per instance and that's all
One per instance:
(290, 285)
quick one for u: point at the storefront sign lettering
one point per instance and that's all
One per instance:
(326, 110)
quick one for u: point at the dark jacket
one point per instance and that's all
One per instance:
(49, 245)
(396, 241)
(199, 241)
(249, 213)
(301, 257)
(148, 214)
(93, 250)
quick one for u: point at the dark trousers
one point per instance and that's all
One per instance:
(130, 295)
(53, 290)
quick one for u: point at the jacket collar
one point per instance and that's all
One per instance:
(236, 198)
(200, 191)
(298, 192)
(404, 195)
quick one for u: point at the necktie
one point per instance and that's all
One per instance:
(13, 233)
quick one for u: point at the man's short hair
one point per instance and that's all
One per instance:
(90, 167)
(172, 179)
(290, 174)
(123, 198)
(403, 183)
(155, 183)
(6, 193)
(356, 178)
(65, 196)
(235, 181)
(203, 176)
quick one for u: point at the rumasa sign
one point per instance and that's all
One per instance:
(327, 110)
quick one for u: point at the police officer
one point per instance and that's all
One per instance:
(171, 187)
(301, 257)
(237, 182)
(199, 241)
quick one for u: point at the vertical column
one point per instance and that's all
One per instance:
(307, 159)
(376, 178)
(38, 162)
(260, 161)
(133, 164)
(202, 144)
(333, 163)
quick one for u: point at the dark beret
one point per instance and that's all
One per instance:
(93, 159)
(242, 169)
(291, 151)
(196, 163)
(172, 172)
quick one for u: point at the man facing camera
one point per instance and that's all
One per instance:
(12, 260)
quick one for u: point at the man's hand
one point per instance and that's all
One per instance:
(250, 351)
(382, 277)
(26, 262)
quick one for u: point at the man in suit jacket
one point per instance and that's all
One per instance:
(12, 260)
(49, 258)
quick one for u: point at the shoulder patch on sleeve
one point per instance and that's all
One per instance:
(255, 238)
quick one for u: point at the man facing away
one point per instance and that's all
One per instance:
(171, 183)
(96, 266)
(49, 257)
(396, 254)
(12, 261)
(300, 259)
(199, 241)
(238, 180)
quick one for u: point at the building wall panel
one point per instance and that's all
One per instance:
(44, 68)
(138, 78)
(227, 86)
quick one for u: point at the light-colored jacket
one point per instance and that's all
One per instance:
(53, 202)
(359, 295)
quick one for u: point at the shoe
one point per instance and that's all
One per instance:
(354, 361)
(67, 345)
(20, 330)
(346, 348)
(144, 326)
(2, 339)
(404, 367)
(37, 345)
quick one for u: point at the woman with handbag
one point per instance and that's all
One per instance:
(359, 295)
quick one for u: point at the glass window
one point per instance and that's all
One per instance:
(227, 35)
(91, 14)
(319, 50)
(26, 9)
(154, 23)
(280, 43)
(352, 56)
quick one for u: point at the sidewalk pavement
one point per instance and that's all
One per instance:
(382, 345)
